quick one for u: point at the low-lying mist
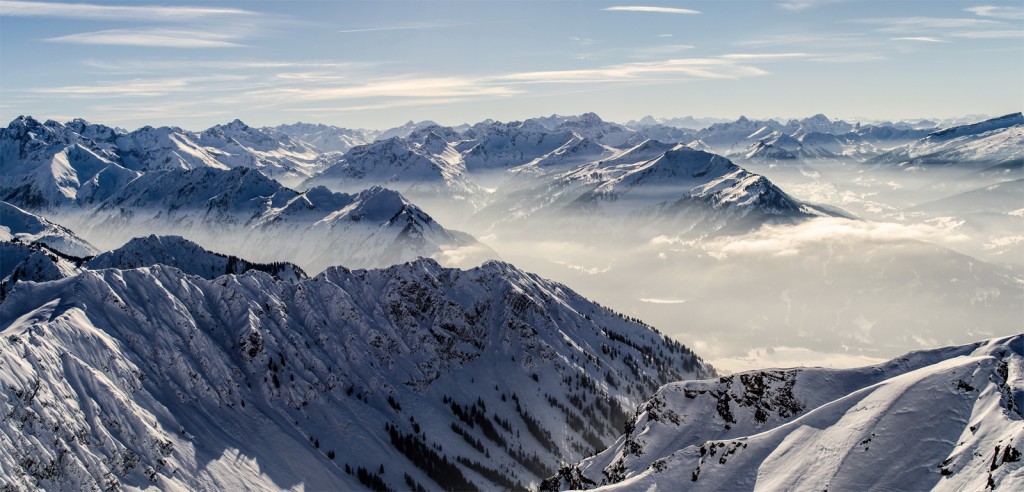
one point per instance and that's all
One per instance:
(935, 258)
(828, 291)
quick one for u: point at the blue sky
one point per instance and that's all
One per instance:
(376, 64)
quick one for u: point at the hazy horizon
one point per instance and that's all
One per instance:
(360, 64)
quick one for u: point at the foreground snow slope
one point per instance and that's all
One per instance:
(948, 419)
(410, 375)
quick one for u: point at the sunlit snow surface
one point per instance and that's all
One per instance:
(946, 419)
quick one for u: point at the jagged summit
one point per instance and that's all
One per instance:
(473, 379)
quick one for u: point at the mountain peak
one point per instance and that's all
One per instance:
(379, 204)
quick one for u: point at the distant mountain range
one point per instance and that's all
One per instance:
(561, 173)
(160, 328)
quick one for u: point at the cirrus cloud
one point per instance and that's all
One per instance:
(658, 10)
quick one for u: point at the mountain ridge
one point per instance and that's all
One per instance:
(346, 371)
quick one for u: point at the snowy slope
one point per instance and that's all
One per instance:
(48, 164)
(402, 131)
(991, 141)
(575, 152)
(816, 137)
(244, 213)
(324, 138)
(591, 126)
(410, 375)
(734, 136)
(810, 146)
(948, 419)
(652, 185)
(424, 166)
(31, 228)
(189, 257)
(502, 146)
(45, 164)
(33, 262)
(684, 122)
(234, 144)
(768, 152)
(38, 262)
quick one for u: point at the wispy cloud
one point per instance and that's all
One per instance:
(805, 39)
(148, 65)
(310, 76)
(400, 28)
(989, 34)
(113, 12)
(659, 10)
(701, 68)
(153, 38)
(409, 87)
(920, 39)
(578, 41)
(151, 26)
(154, 87)
(1001, 12)
(651, 300)
(660, 51)
(797, 5)
(916, 24)
(849, 58)
(763, 56)
(321, 87)
(400, 103)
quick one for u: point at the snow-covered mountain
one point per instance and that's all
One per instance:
(187, 256)
(244, 213)
(37, 262)
(944, 419)
(30, 228)
(52, 164)
(500, 146)
(991, 142)
(402, 131)
(324, 138)
(816, 137)
(32, 262)
(426, 167)
(810, 146)
(35, 249)
(651, 187)
(765, 150)
(590, 125)
(684, 122)
(274, 154)
(409, 376)
(48, 165)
